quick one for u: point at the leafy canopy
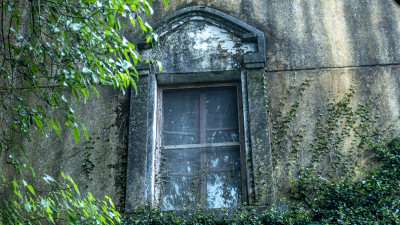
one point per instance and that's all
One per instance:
(54, 53)
(49, 46)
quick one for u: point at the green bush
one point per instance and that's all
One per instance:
(373, 199)
(243, 215)
(63, 204)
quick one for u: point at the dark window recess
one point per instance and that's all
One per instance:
(200, 148)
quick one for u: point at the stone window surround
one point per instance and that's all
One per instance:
(250, 61)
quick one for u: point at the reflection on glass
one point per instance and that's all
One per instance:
(179, 193)
(181, 161)
(200, 116)
(180, 110)
(223, 158)
(223, 189)
(221, 110)
(222, 136)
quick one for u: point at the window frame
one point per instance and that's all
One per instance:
(157, 183)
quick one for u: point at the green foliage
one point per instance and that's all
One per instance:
(52, 49)
(62, 204)
(245, 215)
(53, 55)
(335, 185)
(88, 165)
(373, 199)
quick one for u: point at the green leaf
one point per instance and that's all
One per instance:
(95, 91)
(132, 21)
(50, 216)
(32, 170)
(85, 131)
(111, 20)
(17, 193)
(111, 202)
(38, 121)
(64, 99)
(75, 94)
(56, 128)
(47, 178)
(86, 70)
(40, 108)
(95, 79)
(148, 8)
(76, 26)
(16, 204)
(68, 123)
(33, 204)
(31, 189)
(126, 65)
(159, 65)
(149, 28)
(76, 188)
(85, 213)
(85, 93)
(76, 134)
(166, 3)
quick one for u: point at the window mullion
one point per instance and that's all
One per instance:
(202, 112)
(203, 162)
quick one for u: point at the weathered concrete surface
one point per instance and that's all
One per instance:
(140, 152)
(198, 46)
(313, 33)
(106, 122)
(375, 89)
(260, 141)
(334, 46)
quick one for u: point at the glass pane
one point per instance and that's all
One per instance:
(182, 161)
(222, 136)
(199, 116)
(223, 189)
(179, 192)
(180, 111)
(222, 115)
(224, 158)
(176, 139)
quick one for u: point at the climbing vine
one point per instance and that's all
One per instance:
(347, 173)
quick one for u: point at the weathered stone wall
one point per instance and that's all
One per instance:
(106, 120)
(314, 34)
(317, 53)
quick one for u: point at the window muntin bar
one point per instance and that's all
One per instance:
(205, 145)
